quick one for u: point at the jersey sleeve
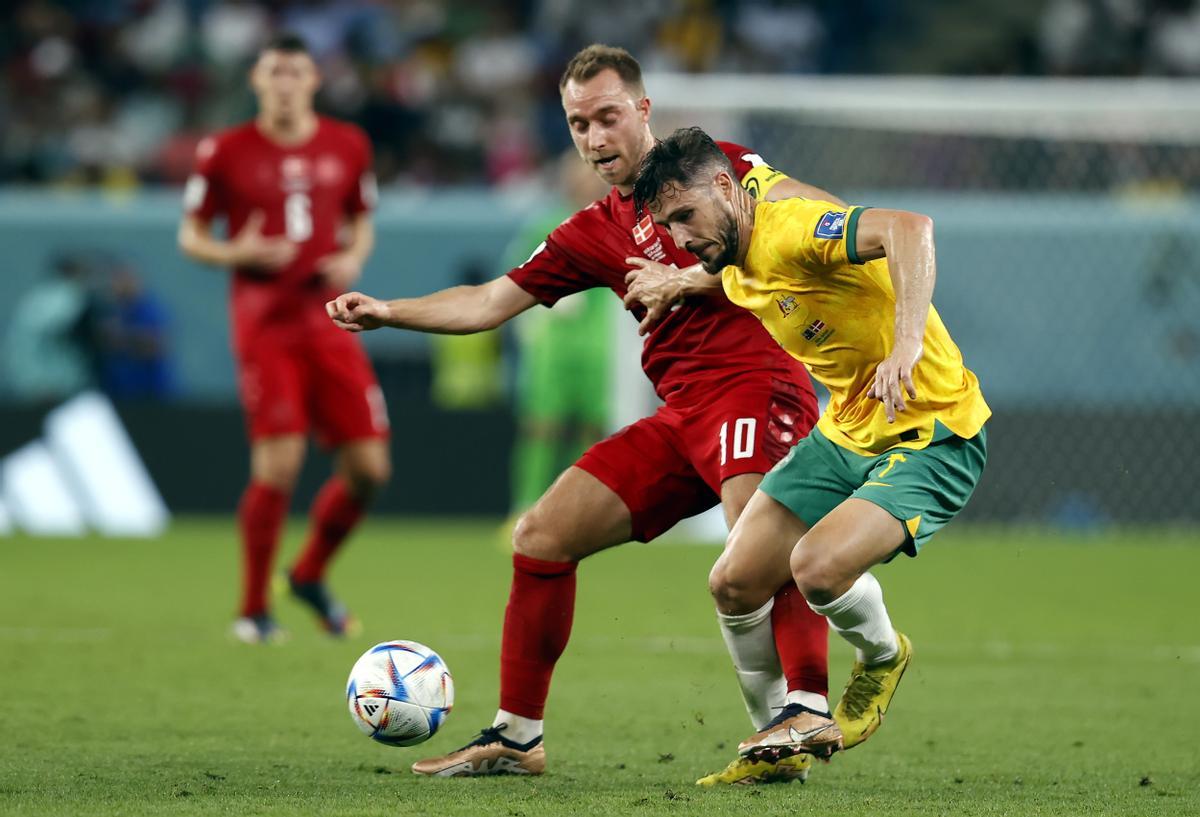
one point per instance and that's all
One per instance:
(817, 235)
(364, 193)
(751, 169)
(555, 269)
(204, 194)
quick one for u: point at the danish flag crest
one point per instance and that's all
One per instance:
(643, 231)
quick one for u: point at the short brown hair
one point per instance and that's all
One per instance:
(680, 160)
(596, 58)
(286, 42)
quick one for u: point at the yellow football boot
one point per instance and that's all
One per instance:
(744, 771)
(868, 693)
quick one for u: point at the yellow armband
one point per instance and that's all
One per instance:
(761, 179)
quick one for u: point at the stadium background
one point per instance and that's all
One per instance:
(1065, 207)
(1056, 143)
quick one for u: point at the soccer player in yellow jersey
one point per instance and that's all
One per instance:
(846, 290)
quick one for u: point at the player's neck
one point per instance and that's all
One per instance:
(294, 130)
(744, 220)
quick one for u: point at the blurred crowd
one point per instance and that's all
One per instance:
(89, 322)
(118, 92)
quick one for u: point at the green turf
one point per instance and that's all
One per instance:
(1052, 676)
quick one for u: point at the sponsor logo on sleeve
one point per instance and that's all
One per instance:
(831, 225)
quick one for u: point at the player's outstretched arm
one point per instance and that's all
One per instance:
(249, 248)
(906, 240)
(460, 310)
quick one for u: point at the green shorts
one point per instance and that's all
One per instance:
(922, 488)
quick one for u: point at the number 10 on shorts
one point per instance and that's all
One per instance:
(743, 439)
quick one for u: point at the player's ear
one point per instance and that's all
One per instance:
(318, 79)
(725, 184)
(643, 106)
(252, 74)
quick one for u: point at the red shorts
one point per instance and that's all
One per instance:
(328, 388)
(670, 465)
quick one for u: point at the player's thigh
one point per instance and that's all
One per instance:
(746, 426)
(271, 386)
(277, 460)
(755, 562)
(735, 495)
(577, 516)
(850, 540)
(649, 469)
(364, 465)
(346, 402)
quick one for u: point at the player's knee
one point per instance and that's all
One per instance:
(365, 469)
(534, 537)
(734, 589)
(814, 571)
(280, 474)
(367, 478)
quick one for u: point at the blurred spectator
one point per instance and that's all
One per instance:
(467, 369)
(565, 353)
(133, 354)
(1173, 38)
(465, 91)
(49, 347)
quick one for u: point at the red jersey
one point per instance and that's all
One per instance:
(705, 339)
(305, 192)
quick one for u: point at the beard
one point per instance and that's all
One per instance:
(728, 233)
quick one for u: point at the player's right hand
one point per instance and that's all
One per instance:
(356, 312)
(250, 248)
(653, 285)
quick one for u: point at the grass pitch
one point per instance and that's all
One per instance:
(1051, 676)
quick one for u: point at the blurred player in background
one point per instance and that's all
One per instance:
(735, 402)
(565, 354)
(296, 191)
(898, 452)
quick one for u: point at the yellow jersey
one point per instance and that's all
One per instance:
(803, 279)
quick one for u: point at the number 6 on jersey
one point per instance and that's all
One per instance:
(297, 215)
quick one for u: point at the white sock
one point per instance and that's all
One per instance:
(520, 730)
(809, 700)
(751, 644)
(860, 617)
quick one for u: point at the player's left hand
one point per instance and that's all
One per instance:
(653, 285)
(340, 270)
(893, 378)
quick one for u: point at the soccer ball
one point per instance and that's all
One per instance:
(400, 692)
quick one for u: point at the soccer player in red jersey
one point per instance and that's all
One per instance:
(735, 402)
(288, 183)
